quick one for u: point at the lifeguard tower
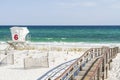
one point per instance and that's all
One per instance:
(18, 37)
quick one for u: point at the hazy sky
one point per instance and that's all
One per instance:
(42, 12)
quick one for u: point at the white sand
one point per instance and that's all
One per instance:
(114, 73)
(17, 72)
(56, 57)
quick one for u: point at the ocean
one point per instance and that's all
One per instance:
(92, 34)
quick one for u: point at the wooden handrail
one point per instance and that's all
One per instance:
(69, 68)
(104, 55)
(99, 64)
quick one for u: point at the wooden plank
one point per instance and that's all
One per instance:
(89, 73)
(87, 78)
(85, 68)
(78, 77)
(82, 73)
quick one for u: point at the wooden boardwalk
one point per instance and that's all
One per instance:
(93, 65)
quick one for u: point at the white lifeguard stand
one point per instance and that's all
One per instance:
(18, 37)
(19, 34)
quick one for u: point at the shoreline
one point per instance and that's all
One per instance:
(64, 44)
(72, 43)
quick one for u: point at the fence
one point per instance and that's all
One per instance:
(36, 62)
(9, 59)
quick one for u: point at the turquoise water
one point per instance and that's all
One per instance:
(67, 33)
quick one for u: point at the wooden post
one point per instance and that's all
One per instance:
(24, 64)
(12, 58)
(98, 74)
(109, 65)
(80, 68)
(72, 77)
(103, 76)
(103, 70)
(106, 72)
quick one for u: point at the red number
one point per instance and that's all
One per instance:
(16, 37)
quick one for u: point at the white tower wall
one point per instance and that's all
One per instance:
(19, 33)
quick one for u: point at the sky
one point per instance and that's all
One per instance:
(59, 12)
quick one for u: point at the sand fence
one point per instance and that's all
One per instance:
(37, 61)
(36, 56)
(25, 59)
(8, 59)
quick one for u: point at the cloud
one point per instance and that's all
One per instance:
(115, 6)
(88, 4)
(78, 4)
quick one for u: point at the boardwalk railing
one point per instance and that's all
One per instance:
(104, 56)
(101, 70)
(51, 74)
